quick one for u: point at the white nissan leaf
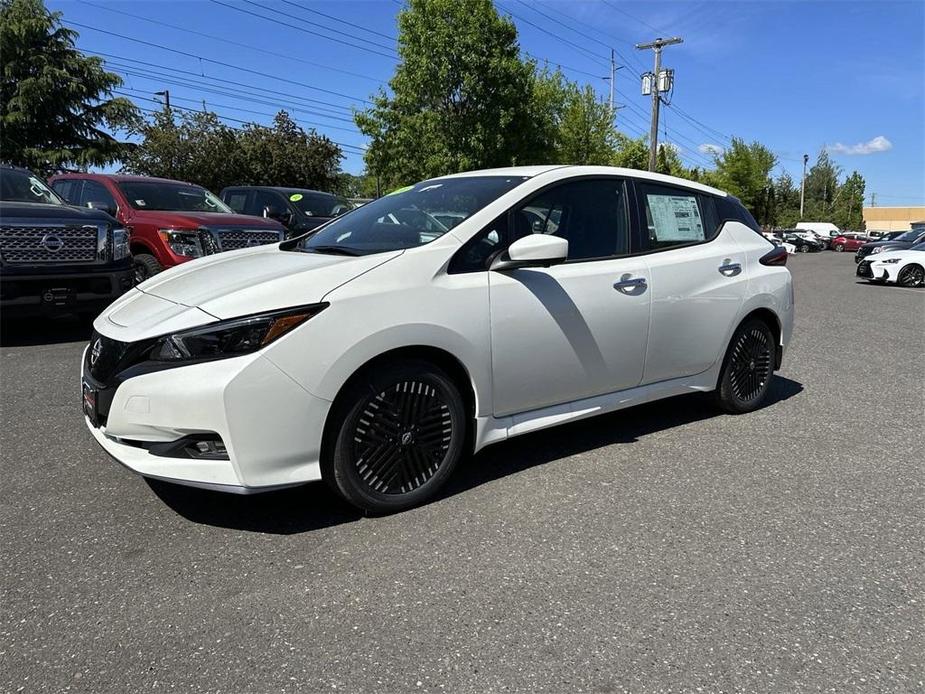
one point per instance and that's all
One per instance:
(462, 311)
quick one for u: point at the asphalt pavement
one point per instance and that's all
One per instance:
(665, 548)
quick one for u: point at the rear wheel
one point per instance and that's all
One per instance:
(803, 249)
(839, 247)
(911, 276)
(146, 266)
(747, 369)
(402, 430)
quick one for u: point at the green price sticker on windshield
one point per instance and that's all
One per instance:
(295, 197)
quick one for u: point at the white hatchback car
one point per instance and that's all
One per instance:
(465, 310)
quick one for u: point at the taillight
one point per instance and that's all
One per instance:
(777, 256)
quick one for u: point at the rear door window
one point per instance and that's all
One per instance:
(69, 189)
(236, 200)
(96, 195)
(673, 216)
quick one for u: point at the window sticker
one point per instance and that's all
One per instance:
(295, 197)
(675, 217)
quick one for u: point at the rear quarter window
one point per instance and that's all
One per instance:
(731, 209)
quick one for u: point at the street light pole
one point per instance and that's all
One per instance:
(803, 185)
(657, 46)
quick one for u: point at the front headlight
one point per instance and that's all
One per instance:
(120, 244)
(231, 338)
(185, 243)
(877, 249)
(888, 261)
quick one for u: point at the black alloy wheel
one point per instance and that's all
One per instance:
(803, 249)
(402, 435)
(748, 368)
(911, 276)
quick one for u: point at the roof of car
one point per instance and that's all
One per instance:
(283, 189)
(120, 177)
(578, 170)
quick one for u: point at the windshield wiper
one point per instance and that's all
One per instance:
(333, 250)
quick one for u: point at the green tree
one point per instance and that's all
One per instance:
(786, 212)
(585, 134)
(631, 153)
(193, 146)
(54, 101)
(821, 188)
(849, 203)
(744, 170)
(287, 155)
(460, 97)
(196, 146)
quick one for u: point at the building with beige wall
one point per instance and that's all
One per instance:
(892, 218)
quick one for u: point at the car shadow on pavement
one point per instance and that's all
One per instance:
(315, 506)
(44, 330)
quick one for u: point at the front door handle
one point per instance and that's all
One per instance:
(729, 268)
(630, 285)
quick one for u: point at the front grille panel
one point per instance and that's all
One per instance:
(109, 357)
(864, 269)
(233, 239)
(49, 244)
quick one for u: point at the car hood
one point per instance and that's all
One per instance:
(901, 253)
(887, 244)
(227, 285)
(193, 220)
(37, 210)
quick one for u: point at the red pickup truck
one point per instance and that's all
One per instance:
(169, 222)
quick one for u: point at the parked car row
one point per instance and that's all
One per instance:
(82, 239)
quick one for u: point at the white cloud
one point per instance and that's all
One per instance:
(676, 148)
(878, 144)
(707, 148)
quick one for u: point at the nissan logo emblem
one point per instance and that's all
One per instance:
(52, 243)
(95, 352)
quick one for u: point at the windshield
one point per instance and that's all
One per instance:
(412, 217)
(319, 204)
(21, 186)
(166, 196)
(920, 246)
(908, 236)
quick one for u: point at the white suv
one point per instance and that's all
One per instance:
(377, 351)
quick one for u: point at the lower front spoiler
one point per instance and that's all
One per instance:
(213, 475)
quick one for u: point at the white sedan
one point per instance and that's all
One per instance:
(379, 350)
(903, 267)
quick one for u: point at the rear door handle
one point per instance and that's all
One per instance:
(627, 284)
(729, 268)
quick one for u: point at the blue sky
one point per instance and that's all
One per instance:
(797, 76)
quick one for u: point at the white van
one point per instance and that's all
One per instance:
(825, 229)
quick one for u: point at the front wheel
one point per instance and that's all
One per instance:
(911, 276)
(803, 249)
(747, 369)
(839, 247)
(402, 431)
(146, 265)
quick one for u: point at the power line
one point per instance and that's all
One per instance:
(581, 49)
(342, 145)
(217, 62)
(302, 29)
(237, 84)
(123, 91)
(637, 19)
(233, 43)
(341, 21)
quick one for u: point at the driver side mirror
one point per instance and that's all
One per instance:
(535, 250)
(102, 206)
(280, 214)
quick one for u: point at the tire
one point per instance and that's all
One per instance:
(146, 266)
(747, 369)
(839, 247)
(912, 275)
(803, 249)
(401, 432)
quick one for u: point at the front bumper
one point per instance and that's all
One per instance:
(31, 293)
(271, 427)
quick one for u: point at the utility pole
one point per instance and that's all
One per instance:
(873, 199)
(612, 78)
(166, 95)
(658, 84)
(803, 185)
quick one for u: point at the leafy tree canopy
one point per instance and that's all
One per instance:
(55, 103)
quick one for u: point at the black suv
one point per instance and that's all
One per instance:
(298, 209)
(55, 257)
